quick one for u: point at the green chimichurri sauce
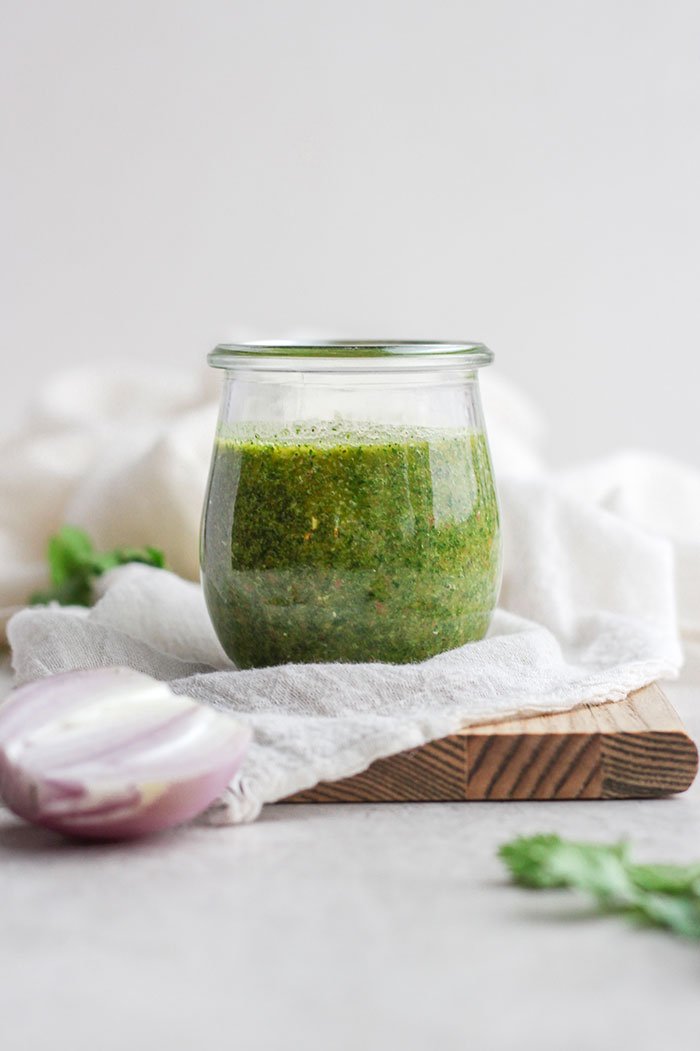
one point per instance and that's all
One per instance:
(322, 543)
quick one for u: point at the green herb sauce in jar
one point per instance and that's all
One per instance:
(334, 542)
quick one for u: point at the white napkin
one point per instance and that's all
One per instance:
(589, 609)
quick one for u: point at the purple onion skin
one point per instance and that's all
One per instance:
(113, 754)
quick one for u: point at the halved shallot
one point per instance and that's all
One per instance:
(112, 753)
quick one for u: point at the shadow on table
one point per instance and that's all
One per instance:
(17, 837)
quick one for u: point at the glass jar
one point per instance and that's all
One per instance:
(351, 512)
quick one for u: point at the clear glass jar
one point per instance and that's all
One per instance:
(351, 513)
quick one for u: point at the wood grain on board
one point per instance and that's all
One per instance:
(636, 748)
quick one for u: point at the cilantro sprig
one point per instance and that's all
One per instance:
(665, 896)
(74, 564)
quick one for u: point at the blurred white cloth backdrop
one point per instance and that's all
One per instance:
(589, 597)
(124, 454)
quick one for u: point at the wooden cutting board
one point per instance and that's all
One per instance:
(636, 748)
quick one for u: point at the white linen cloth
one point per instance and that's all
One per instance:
(588, 603)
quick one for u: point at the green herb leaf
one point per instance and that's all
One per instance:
(678, 913)
(74, 564)
(68, 551)
(662, 895)
(668, 879)
(549, 861)
(151, 556)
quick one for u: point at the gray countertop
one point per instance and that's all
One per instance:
(339, 927)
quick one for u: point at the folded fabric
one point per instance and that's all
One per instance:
(590, 616)
(661, 496)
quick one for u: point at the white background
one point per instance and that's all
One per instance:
(524, 173)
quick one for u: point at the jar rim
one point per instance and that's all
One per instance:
(368, 352)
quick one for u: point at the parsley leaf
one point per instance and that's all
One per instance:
(670, 879)
(74, 564)
(659, 895)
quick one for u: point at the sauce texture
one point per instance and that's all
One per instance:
(325, 543)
